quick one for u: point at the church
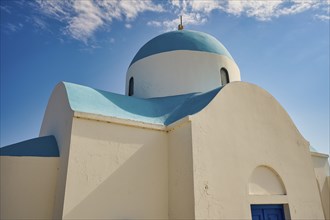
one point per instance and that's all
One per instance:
(189, 140)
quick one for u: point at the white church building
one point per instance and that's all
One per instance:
(189, 140)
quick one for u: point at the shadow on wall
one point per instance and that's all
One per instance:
(325, 196)
(136, 189)
(323, 182)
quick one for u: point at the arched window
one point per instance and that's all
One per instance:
(131, 87)
(224, 76)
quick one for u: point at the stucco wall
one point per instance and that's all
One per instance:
(27, 187)
(180, 169)
(200, 167)
(265, 181)
(179, 72)
(322, 173)
(242, 128)
(58, 121)
(116, 172)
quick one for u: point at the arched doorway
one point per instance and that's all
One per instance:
(266, 185)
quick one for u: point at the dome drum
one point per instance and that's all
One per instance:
(179, 62)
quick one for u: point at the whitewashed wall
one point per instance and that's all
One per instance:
(180, 169)
(58, 122)
(27, 187)
(116, 172)
(243, 128)
(179, 72)
(242, 149)
(322, 173)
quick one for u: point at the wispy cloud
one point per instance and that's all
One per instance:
(325, 16)
(128, 26)
(87, 20)
(197, 12)
(39, 22)
(5, 9)
(10, 27)
(266, 10)
(57, 9)
(81, 19)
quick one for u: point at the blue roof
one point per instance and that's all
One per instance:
(181, 40)
(160, 111)
(38, 147)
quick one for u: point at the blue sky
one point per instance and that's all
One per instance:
(282, 46)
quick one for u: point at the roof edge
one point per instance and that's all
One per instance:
(317, 154)
(45, 146)
(121, 121)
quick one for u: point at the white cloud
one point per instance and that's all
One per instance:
(205, 6)
(57, 9)
(196, 12)
(5, 9)
(261, 10)
(132, 8)
(129, 10)
(10, 27)
(82, 18)
(154, 23)
(265, 10)
(193, 13)
(323, 17)
(85, 23)
(39, 23)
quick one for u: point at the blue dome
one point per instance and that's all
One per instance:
(181, 40)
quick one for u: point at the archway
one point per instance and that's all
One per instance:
(266, 181)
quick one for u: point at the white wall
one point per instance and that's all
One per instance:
(199, 169)
(180, 169)
(322, 173)
(58, 121)
(116, 172)
(265, 181)
(27, 187)
(179, 72)
(242, 128)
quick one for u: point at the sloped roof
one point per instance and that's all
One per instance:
(160, 111)
(38, 147)
(181, 40)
